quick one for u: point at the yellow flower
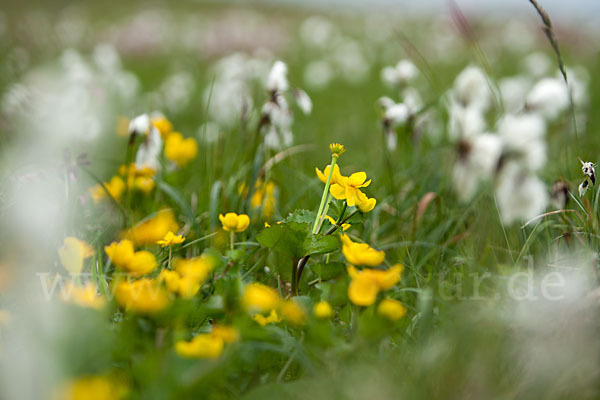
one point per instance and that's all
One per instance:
(83, 296)
(228, 334)
(366, 205)
(92, 388)
(143, 295)
(120, 253)
(367, 284)
(361, 253)
(264, 195)
(259, 297)
(234, 222)
(152, 229)
(348, 188)
(115, 188)
(124, 257)
(170, 239)
(391, 309)
(323, 310)
(188, 277)
(72, 254)
(204, 345)
(337, 149)
(292, 312)
(336, 176)
(332, 221)
(273, 318)
(180, 150)
(163, 125)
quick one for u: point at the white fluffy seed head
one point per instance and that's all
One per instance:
(549, 97)
(277, 78)
(471, 89)
(140, 125)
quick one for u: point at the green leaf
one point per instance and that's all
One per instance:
(302, 217)
(283, 239)
(327, 271)
(320, 244)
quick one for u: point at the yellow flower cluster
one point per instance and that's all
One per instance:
(96, 387)
(151, 230)
(143, 295)
(391, 309)
(366, 284)
(207, 345)
(170, 239)
(187, 275)
(115, 187)
(73, 253)
(234, 222)
(361, 253)
(138, 178)
(179, 150)
(348, 188)
(263, 300)
(83, 296)
(163, 125)
(136, 263)
(323, 310)
(264, 195)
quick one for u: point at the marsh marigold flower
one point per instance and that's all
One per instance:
(188, 275)
(124, 257)
(161, 123)
(179, 150)
(153, 229)
(143, 295)
(292, 312)
(336, 176)
(366, 284)
(348, 188)
(141, 179)
(92, 388)
(170, 239)
(115, 188)
(234, 222)
(72, 254)
(272, 318)
(323, 310)
(228, 334)
(204, 345)
(259, 297)
(361, 253)
(391, 309)
(83, 296)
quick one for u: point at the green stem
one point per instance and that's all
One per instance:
(324, 197)
(231, 238)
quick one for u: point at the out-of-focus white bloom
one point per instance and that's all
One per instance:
(317, 32)
(279, 129)
(148, 154)
(397, 114)
(277, 78)
(403, 73)
(303, 101)
(412, 99)
(140, 125)
(549, 97)
(537, 64)
(318, 74)
(523, 136)
(465, 121)
(520, 194)
(471, 89)
(349, 58)
(176, 91)
(478, 159)
(579, 79)
(513, 91)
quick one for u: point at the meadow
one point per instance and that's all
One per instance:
(235, 201)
